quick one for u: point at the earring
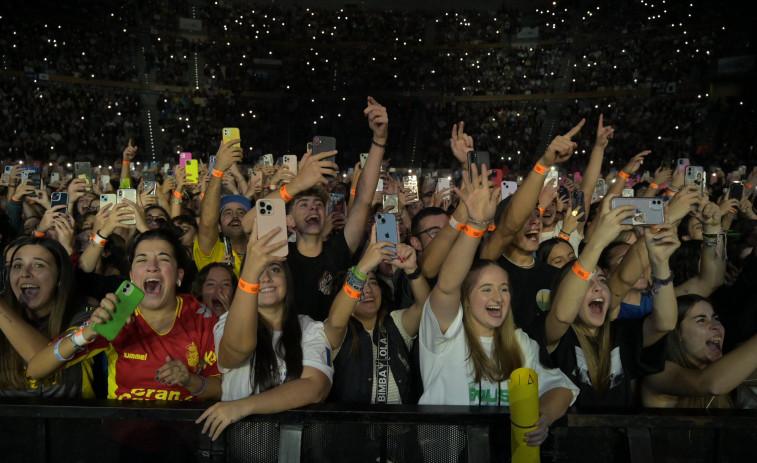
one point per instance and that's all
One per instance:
(178, 282)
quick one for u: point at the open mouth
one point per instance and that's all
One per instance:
(29, 291)
(153, 287)
(597, 306)
(314, 219)
(218, 306)
(532, 235)
(267, 289)
(494, 311)
(715, 344)
(235, 223)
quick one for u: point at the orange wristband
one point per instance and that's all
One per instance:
(541, 210)
(39, 235)
(353, 192)
(248, 287)
(749, 186)
(581, 272)
(623, 175)
(217, 173)
(563, 236)
(654, 185)
(539, 169)
(284, 195)
(473, 233)
(126, 163)
(178, 195)
(352, 292)
(15, 200)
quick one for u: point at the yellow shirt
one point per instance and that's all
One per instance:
(216, 255)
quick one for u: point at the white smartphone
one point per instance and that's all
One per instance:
(290, 160)
(508, 188)
(363, 159)
(131, 195)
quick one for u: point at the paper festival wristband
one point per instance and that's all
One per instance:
(248, 287)
(539, 169)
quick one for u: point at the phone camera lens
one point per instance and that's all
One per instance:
(268, 207)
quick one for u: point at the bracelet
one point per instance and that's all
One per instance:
(654, 185)
(203, 386)
(98, 239)
(178, 195)
(414, 275)
(78, 339)
(539, 169)
(273, 187)
(360, 275)
(623, 175)
(658, 283)
(57, 354)
(126, 163)
(13, 198)
(480, 224)
(248, 287)
(473, 233)
(217, 173)
(284, 195)
(563, 236)
(353, 192)
(352, 292)
(37, 234)
(581, 272)
(674, 188)
(373, 142)
(455, 224)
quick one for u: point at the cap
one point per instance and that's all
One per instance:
(235, 199)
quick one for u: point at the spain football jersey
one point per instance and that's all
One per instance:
(138, 351)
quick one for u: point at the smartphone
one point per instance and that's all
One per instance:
(380, 185)
(336, 203)
(386, 229)
(227, 245)
(646, 177)
(410, 182)
(443, 183)
(478, 158)
(682, 163)
(5, 180)
(59, 198)
(266, 160)
(8, 169)
(695, 176)
(508, 188)
(562, 192)
(231, 133)
(148, 176)
(35, 180)
(272, 214)
(736, 190)
(648, 210)
(323, 144)
(255, 175)
(211, 162)
(54, 177)
(192, 170)
(131, 195)
(128, 297)
(552, 175)
(183, 158)
(627, 193)
(151, 187)
(106, 199)
(363, 159)
(391, 202)
(105, 180)
(578, 203)
(290, 160)
(83, 171)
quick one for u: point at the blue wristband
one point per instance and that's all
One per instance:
(202, 387)
(57, 354)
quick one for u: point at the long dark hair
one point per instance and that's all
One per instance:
(12, 366)
(289, 345)
(380, 314)
(199, 281)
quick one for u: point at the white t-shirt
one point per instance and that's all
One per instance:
(448, 376)
(316, 353)
(575, 237)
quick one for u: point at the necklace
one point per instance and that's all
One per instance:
(533, 261)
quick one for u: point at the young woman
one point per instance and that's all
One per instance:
(697, 374)
(214, 287)
(360, 310)
(556, 252)
(168, 352)
(468, 342)
(39, 305)
(272, 359)
(602, 356)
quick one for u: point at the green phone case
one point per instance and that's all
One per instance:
(128, 298)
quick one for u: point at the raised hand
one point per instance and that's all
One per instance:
(662, 175)
(635, 162)
(604, 133)
(461, 143)
(561, 148)
(687, 200)
(314, 169)
(260, 253)
(227, 155)
(48, 218)
(609, 223)
(130, 151)
(662, 242)
(406, 259)
(375, 253)
(548, 194)
(378, 120)
(479, 199)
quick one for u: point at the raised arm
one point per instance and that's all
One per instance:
(378, 121)
(572, 290)
(481, 204)
(630, 169)
(406, 261)
(436, 252)
(593, 169)
(106, 221)
(661, 176)
(210, 208)
(712, 263)
(661, 245)
(128, 155)
(239, 338)
(344, 304)
(523, 202)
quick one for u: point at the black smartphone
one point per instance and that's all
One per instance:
(59, 198)
(227, 245)
(478, 158)
(563, 192)
(578, 203)
(321, 145)
(736, 190)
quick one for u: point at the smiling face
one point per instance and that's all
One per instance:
(370, 301)
(548, 219)
(593, 310)
(488, 301)
(273, 286)
(309, 215)
(702, 334)
(527, 239)
(217, 282)
(156, 271)
(561, 254)
(33, 278)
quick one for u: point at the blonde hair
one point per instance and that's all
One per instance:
(506, 352)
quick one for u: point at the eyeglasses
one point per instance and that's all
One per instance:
(431, 232)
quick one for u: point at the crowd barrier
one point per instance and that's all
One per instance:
(35, 430)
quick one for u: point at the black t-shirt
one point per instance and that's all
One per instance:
(529, 289)
(314, 277)
(629, 360)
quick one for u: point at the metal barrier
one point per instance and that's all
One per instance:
(33, 430)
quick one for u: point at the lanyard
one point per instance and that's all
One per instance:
(499, 393)
(382, 367)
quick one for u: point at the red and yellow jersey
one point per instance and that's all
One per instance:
(139, 351)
